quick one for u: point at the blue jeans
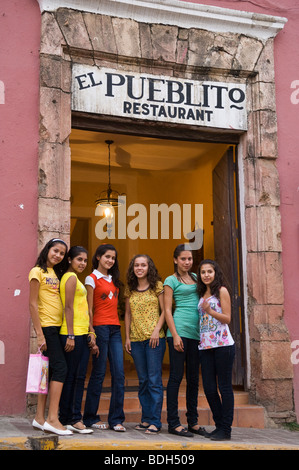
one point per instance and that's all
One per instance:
(216, 367)
(148, 363)
(178, 359)
(110, 346)
(73, 388)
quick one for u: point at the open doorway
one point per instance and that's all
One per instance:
(154, 171)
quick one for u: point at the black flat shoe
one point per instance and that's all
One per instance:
(183, 432)
(210, 434)
(201, 431)
(220, 436)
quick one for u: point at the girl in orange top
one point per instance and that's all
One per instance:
(102, 297)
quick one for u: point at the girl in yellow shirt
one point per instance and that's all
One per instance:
(145, 338)
(76, 335)
(46, 313)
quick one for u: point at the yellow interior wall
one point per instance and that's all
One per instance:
(193, 186)
(189, 186)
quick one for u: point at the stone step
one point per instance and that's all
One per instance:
(132, 402)
(245, 414)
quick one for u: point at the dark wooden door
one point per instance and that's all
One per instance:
(227, 245)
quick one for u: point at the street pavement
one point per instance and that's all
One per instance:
(16, 433)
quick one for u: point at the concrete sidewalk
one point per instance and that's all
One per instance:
(16, 433)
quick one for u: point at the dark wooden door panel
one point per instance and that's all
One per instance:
(227, 248)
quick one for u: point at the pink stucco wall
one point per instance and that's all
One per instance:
(287, 101)
(19, 116)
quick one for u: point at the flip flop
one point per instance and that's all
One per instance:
(141, 427)
(118, 428)
(152, 431)
(99, 426)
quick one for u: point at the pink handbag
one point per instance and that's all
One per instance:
(38, 373)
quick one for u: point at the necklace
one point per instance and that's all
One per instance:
(187, 280)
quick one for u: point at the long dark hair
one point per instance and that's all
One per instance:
(216, 284)
(178, 250)
(42, 259)
(152, 275)
(73, 252)
(114, 271)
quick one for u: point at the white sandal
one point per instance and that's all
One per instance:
(119, 428)
(99, 426)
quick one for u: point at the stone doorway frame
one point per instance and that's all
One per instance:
(241, 48)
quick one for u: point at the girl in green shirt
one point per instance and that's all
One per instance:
(182, 338)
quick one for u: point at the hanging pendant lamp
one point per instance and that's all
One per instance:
(109, 197)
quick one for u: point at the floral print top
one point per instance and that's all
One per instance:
(213, 333)
(145, 312)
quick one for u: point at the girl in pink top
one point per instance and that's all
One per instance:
(217, 348)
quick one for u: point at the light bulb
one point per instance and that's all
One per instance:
(108, 213)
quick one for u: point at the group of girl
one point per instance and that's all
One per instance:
(71, 320)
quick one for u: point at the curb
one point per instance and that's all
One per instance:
(30, 443)
(173, 446)
(52, 442)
